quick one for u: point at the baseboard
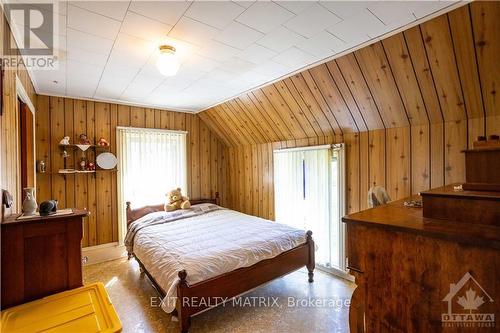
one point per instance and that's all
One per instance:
(101, 253)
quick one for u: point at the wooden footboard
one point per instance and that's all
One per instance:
(192, 299)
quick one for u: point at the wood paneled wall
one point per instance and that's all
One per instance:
(57, 117)
(405, 107)
(9, 140)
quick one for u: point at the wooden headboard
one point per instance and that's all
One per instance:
(134, 214)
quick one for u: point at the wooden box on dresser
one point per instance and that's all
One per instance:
(40, 256)
(405, 265)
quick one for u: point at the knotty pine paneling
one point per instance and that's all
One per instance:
(9, 147)
(57, 117)
(405, 160)
(405, 107)
(441, 71)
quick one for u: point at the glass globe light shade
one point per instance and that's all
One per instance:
(167, 62)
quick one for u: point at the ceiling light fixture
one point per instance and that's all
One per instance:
(167, 62)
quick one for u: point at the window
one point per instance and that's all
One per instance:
(150, 163)
(309, 194)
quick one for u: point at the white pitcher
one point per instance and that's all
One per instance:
(29, 203)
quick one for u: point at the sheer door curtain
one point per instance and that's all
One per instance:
(151, 162)
(302, 193)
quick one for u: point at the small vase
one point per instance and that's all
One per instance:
(29, 203)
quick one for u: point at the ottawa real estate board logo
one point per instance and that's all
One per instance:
(35, 35)
(468, 305)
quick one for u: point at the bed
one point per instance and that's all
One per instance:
(199, 258)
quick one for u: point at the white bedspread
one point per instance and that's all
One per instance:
(209, 245)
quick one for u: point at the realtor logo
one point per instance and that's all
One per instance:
(466, 302)
(35, 32)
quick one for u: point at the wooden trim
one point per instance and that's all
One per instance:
(23, 95)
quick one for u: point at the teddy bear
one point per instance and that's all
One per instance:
(175, 200)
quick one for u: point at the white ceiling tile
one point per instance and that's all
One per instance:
(81, 71)
(193, 32)
(148, 81)
(142, 27)
(280, 39)
(218, 62)
(294, 58)
(256, 54)
(237, 65)
(133, 50)
(392, 11)
(218, 52)
(220, 75)
(272, 68)
(214, 13)
(244, 3)
(172, 85)
(112, 9)
(424, 8)
(312, 20)
(118, 64)
(53, 80)
(111, 86)
(150, 70)
(345, 9)
(356, 28)
(322, 44)
(140, 88)
(296, 6)
(81, 80)
(91, 23)
(200, 63)
(250, 78)
(83, 56)
(264, 16)
(88, 42)
(238, 35)
(168, 12)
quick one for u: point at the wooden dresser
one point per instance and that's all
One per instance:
(40, 256)
(411, 271)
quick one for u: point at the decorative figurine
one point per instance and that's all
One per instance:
(48, 207)
(83, 164)
(84, 140)
(103, 142)
(42, 168)
(64, 141)
(90, 166)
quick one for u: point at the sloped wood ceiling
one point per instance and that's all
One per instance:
(444, 70)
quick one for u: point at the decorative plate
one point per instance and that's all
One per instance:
(106, 161)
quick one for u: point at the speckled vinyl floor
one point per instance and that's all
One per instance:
(293, 305)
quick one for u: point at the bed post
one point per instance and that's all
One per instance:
(128, 217)
(129, 212)
(311, 262)
(184, 317)
(217, 199)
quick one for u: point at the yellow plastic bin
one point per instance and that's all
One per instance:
(86, 309)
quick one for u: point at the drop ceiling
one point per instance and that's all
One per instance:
(108, 50)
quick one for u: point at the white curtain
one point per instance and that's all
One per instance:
(151, 162)
(302, 194)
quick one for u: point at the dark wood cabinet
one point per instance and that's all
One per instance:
(40, 256)
(412, 272)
